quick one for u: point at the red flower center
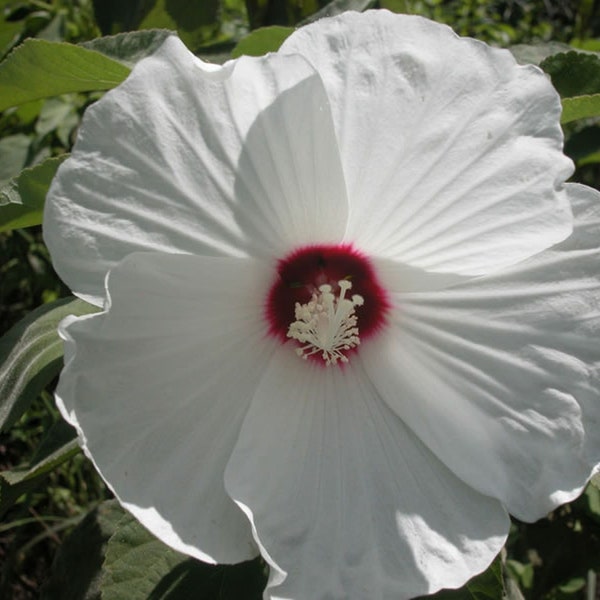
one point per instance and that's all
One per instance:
(307, 303)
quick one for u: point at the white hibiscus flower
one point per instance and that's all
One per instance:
(386, 200)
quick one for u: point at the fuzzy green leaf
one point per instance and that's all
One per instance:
(138, 567)
(77, 567)
(576, 76)
(31, 356)
(128, 48)
(573, 73)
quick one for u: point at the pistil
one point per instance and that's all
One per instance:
(309, 303)
(327, 324)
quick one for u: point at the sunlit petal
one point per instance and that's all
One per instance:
(158, 387)
(182, 158)
(500, 376)
(456, 165)
(345, 500)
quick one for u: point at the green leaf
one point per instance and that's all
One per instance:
(581, 107)
(140, 567)
(196, 21)
(337, 7)
(115, 15)
(60, 115)
(188, 15)
(22, 200)
(128, 48)
(40, 69)
(14, 150)
(31, 356)
(574, 73)
(589, 44)
(576, 584)
(28, 112)
(522, 573)
(9, 30)
(76, 570)
(591, 499)
(513, 592)
(263, 13)
(9, 34)
(488, 585)
(397, 6)
(59, 445)
(576, 76)
(583, 146)
(55, 30)
(261, 41)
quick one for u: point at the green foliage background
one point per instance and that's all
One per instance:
(61, 535)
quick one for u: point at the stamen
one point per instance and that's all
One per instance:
(327, 324)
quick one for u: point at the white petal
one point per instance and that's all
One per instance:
(452, 152)
(181, 158)
(345, 500)
(500, 376)
(396, 276)
(158, 386)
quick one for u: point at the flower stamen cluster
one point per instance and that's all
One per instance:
(327, 324)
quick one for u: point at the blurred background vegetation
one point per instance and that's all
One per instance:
(555, 558)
